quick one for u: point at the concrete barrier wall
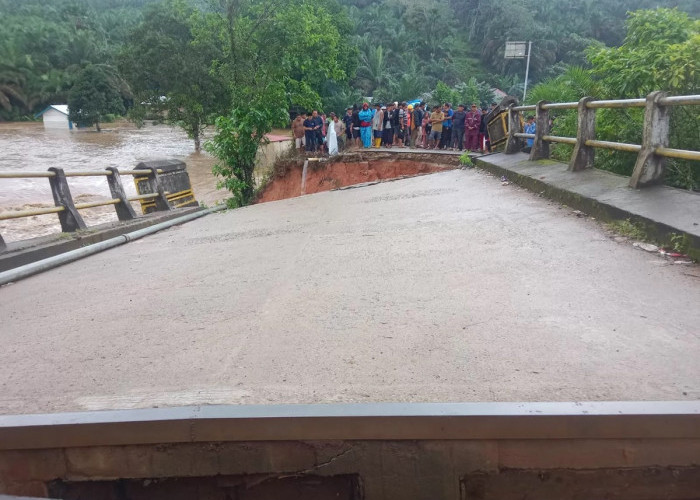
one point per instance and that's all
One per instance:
(457, 451)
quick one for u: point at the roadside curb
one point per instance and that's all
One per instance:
(28, 251)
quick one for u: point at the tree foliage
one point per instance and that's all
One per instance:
(97, 92)
(659, 52)
(393, 49)
(240, 134)
(44, 45)
(274, 55)
(171, 73)
(190, 61)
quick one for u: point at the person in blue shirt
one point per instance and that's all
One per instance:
(365, 116)
(530, 128)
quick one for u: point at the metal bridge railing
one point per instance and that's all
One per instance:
(651, 154)
(67, 210)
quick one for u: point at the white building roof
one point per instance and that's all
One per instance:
(61, 108)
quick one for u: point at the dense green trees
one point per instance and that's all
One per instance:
(97, 91)
(43, 46)
(396, 49)
(170, 74)
(659, 52)
(454, 40)
(274, 55)
(191, 61)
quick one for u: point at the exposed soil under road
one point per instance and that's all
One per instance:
(334, 175)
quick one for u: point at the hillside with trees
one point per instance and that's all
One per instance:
(243, 64)
(391, 49)
(45, 45)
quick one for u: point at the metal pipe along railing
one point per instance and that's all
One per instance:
(560, 105)
(651, 154)
(680, 100)
(682, 154)
(93, 204)
(617, 103)
(44, 265)
(30, 213)
(23, 175)
(63, 199)
(617, 146)
(554, 138)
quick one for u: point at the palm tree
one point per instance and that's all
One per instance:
(12, 82)
(570, 86)
(372, 70)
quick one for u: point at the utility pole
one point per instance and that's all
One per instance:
(527, 68)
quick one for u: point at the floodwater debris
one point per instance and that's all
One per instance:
(674, 255)
(646, 246)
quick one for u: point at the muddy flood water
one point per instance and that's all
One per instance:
(26, 147)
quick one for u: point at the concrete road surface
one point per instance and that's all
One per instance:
(446, 287)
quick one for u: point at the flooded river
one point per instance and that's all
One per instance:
(28, 147)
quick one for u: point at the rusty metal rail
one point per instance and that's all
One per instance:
(651, 154)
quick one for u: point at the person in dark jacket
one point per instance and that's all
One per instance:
(396, 123)
(356, 125)
(347, 120)
(458, 128)
(388, 135)
(483, 132)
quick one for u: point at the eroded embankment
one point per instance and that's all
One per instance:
(350, 169)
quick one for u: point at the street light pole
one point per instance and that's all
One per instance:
(527, 68)
(517, 50)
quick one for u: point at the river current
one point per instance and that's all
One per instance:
(28, 147)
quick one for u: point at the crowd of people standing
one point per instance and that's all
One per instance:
(396, 125)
